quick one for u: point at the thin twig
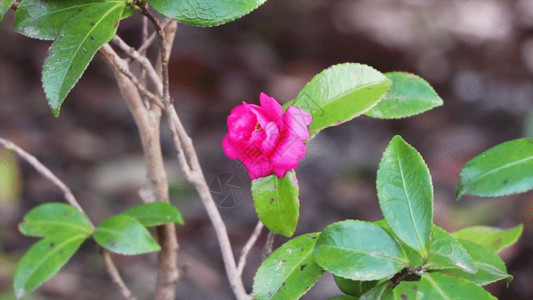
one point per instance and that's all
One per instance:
(143, 70)
(142, 60)
(45, 172)
(269, 244)
(194, 174)
(248, 246)
(146, 44)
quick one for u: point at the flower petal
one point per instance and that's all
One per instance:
(297, 122)
(270, 106)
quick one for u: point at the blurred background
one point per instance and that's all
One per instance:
(478, 54)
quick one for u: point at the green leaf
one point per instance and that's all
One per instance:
(289, 272)
(341, 93)
(53, 218)
(504, 169)
(125, 235)
(406, 290)
(276, 202)
(354, 287)
(415, 260)
(446, 252)
(409, 95)
(44, 19)
(10, 179)
(493, 238)
(43, 260)
(154, 213)
(5, 5)
(205, 12)
(75, 47)
(405, 194)
(382, 291)
(359, 250)
(436, 286)
(489, 265)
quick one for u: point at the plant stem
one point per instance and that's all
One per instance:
(248, 246)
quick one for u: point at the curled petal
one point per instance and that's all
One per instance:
(270, 106)
(297, 122)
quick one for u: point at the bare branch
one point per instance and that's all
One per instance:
(46, 173)
(248, 246)
(148, 42)
(269, 244)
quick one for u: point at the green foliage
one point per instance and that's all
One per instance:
(341, 93)
(294, 268)
(436, 286)
(406, 290)
(154, 213)
(405, 194)
(409, 95)
(10, 180)
(359, 250)
(490, 267)
(446, 252)
(44, 259)
(75, 47)
(493, 238)
(5, 5)
(55, 218)
(382, 291)
(501, 170)
(354, 287)
(205, 12)
(276, 202)
(124, 235)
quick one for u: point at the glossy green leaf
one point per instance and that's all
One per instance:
(489, 265)
(72, 51)
(53, 218)
(289, 272)
(5, 5)
(406, 290)
(409, 95)
(405, 194)
(125, 235)
(205, 12)
(446, 252)
(493, 238)
(10, 179)
(382, 291)
(437, 286)
(415, 260)
(341, 93)
(43, 260)
(359, 250)
(354, 287)
(155, 213)
(276, 202)
(504, 169)
(42, 19)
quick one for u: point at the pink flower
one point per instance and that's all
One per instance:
(265, 139)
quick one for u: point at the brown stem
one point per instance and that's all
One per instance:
(46, 173)
(269, 244)
(14, 6)
(148, 123)
(248, 246)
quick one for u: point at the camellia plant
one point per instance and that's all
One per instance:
(403, 256)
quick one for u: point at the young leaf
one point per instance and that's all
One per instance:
(289, 272)
(359, 250)
(354, 287)
(437, 286)
(341, 93)
(382, 291)
(205, 12)
(415, 260)
(405, 194)
(43, 260)
(406, 290)
(5, 5)
(154, 213)
(489, 265)
(53, 218)
(71, 53)
(124, 235)
(41, 19)
(501, 170)
(493, 238)
(276, 202)
(446, 252)
(409, 95)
